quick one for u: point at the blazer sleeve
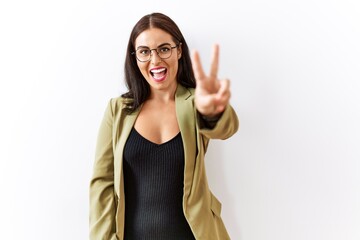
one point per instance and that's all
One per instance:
(225, 127)
(102, 196)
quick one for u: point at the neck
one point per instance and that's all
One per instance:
(163, 95)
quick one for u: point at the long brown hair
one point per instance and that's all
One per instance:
(138, 87)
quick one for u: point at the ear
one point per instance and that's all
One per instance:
(179, 50)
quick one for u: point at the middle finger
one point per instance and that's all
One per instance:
(214, 62)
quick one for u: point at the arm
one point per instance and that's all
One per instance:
(216, 118)
(102, 197)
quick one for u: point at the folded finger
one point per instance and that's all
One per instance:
(224, 86)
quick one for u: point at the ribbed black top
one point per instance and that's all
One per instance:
(153, 180)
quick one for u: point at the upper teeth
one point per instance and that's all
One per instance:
(158, 70)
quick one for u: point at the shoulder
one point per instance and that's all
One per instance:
(118, 104)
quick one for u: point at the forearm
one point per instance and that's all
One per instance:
(102, 197)
(102, 209)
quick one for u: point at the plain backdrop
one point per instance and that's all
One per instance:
(291, 172)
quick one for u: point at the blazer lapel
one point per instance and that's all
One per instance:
(186, 120)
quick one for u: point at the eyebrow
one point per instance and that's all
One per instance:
(156, 47)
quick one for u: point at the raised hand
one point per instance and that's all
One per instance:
(211, 94)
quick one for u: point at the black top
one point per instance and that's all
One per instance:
(154, 182)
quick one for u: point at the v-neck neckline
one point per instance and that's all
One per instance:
(157, 144)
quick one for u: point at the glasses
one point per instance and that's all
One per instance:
(143, 54)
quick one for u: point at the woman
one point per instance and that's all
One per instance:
(149, 178)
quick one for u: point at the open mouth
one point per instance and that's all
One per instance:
(158, 73)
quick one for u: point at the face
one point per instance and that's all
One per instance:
(159, 73)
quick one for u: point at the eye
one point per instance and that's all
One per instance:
(164, 49)
(143, 51)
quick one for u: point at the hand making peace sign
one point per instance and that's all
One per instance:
(211, 94)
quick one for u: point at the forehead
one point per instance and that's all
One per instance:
(153, 37)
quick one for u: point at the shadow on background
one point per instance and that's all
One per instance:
(220, 185)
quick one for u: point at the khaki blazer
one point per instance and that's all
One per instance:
(201, 208)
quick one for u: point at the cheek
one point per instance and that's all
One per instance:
(175, 67)
(142, 67)
(139, 64)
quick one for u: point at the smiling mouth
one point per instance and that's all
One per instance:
(158, 73)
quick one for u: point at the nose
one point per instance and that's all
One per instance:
(154, 56)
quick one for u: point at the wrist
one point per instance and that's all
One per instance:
(211, 118)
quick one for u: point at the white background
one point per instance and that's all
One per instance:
(291, 172)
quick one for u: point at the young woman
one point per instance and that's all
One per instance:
(149, 179)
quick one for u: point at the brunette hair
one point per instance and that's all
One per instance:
(138, 87)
